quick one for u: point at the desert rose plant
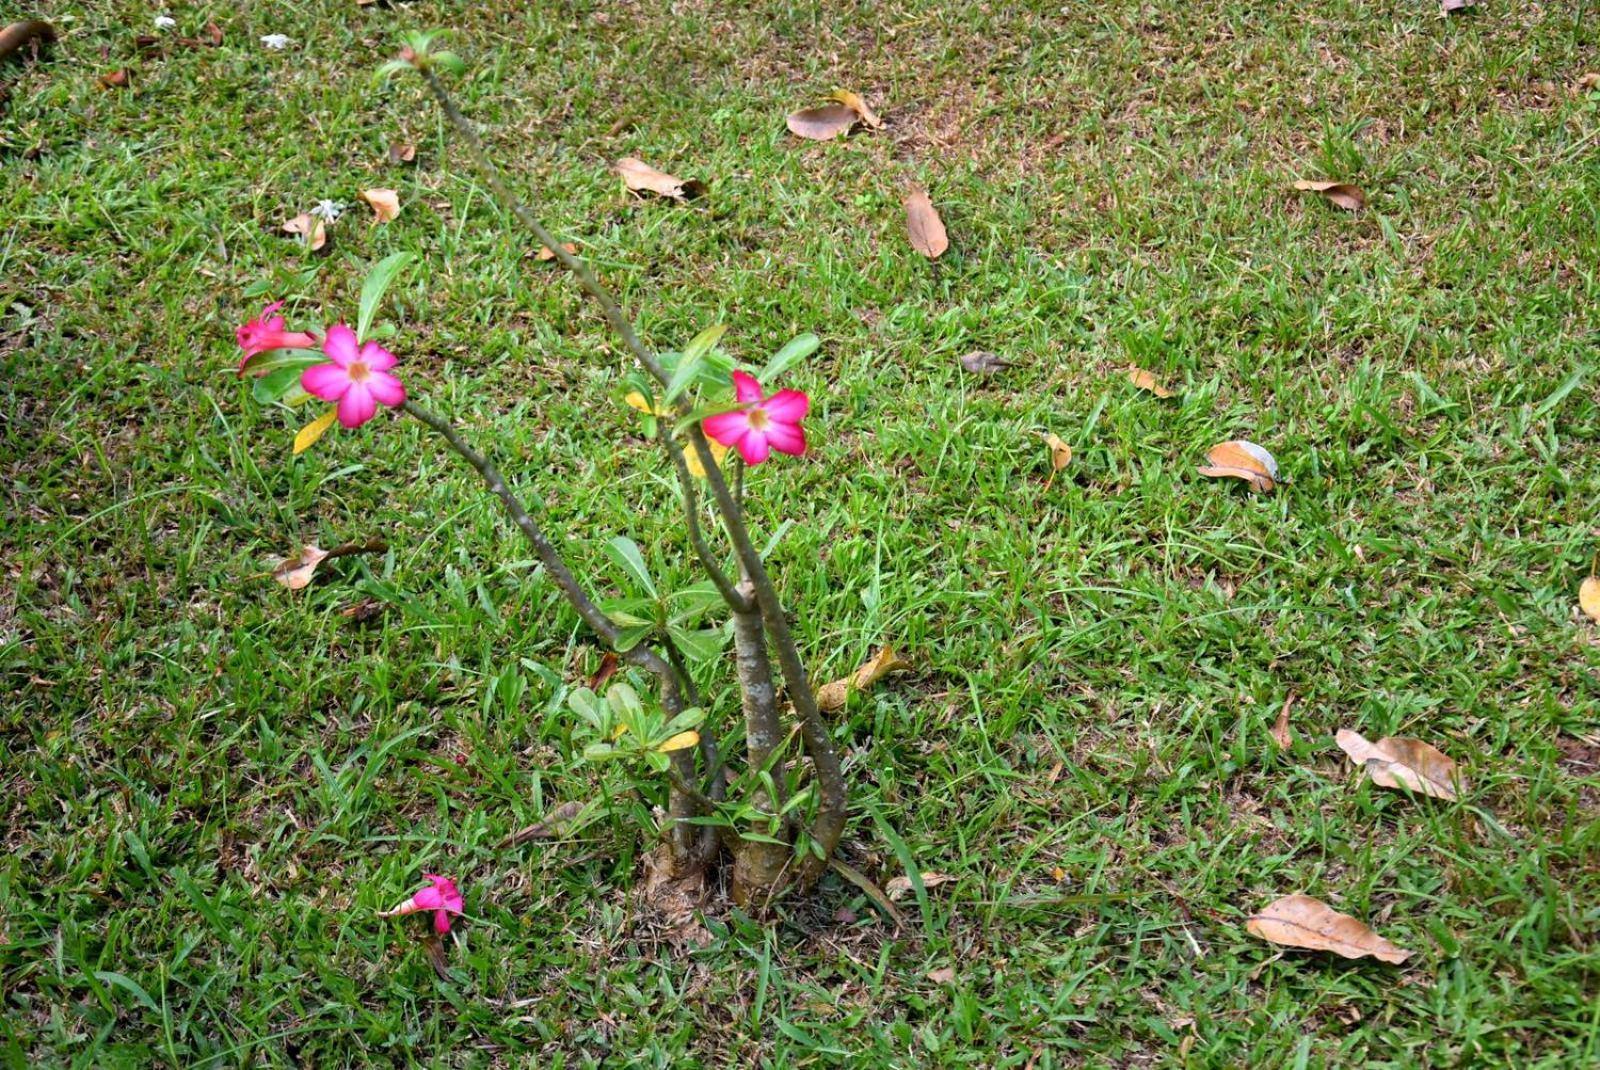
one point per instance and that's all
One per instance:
(780, 812)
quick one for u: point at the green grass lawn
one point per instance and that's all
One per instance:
(210, 784)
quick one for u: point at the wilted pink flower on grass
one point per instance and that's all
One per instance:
(763, 424)
(442, 898)
(266, 332)
(358, 379)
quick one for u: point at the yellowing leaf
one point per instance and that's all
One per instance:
(638, 401)
(640, 177)
(1340, 194)
(308, 435)
(928, 235)
(899, 886)
(385, 203)
(854, 102)
(1239, 459)
(691, 457)
(310, 229)
(1060, 456)
(1397, 762)
(1301, 921)
(823, 123)
(1147, 381)
(1589, 596)
(833, 695)
(681, 741)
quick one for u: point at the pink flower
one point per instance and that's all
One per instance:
(762, 425)
(442, 898)
(358, 379)
(266, 332)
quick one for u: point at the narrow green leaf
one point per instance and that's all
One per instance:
(625, 553)
(377, 283)
(693, 354)
(799, 348)
(128, 984)
(701, 645)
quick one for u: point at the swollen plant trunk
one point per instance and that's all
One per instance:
(759, 866)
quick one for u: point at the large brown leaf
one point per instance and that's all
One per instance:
(928, 235)
(1301, 921)
(1340, 194)
(1589, 596)
(1146, 380)
(1239, 459)
(640, 177)
(1397, 762)
(823, 123)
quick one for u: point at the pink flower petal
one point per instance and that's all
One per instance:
(340, 345)
(441, 921)
(270, 309)
(753, 447)
(326, 381)
(727, 427)
(787, 406)
(377, 358)
(430, 898)
(386, 388)
(745, 388)
(357, 406)
(787, 438)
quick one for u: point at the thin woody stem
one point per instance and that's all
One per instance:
(691, 511)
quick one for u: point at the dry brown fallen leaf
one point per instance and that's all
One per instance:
(1301, 921)
(547, 253)
(899, 886)
(855, 103)
(928, 235)
(117, 79)
(1239, 459)
(833, 695)
(296, 572)
(640, 177)
(1397, 762)
(1340, 194)
(1060, 456)
(1589, 597)
(1146, 380)
(822, 123)
(609, 664)
(310, 229)
(983, 362)
(943, 975)
(554, 825)
(402, 152)
(385, 203)
(1280, 728)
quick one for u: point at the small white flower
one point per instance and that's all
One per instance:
(329, 210)
(276, 40)
(165, 22)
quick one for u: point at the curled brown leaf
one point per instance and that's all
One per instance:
(309, 229)
(1339, 194)
(385, 203)
(1146, 380)
(1589, 597)
(640, 177)
(547, 253)
(822, 123)
(983, 362)
(833, 695)
(1398, 762)
(897, 887)
(1240, 459)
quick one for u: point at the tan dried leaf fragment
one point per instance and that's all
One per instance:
(296, 573)
(1340, 194)
(928, 235)
(1301, 921)
(833, 695)
(640, 177)
(547, 253)
(402, 152)
(1146, 380)
(1280, 728)
(1060, 456)
(309, 229)
(556, 824)
(1401, 763)
(385, 203)
(1589, 597)
(1239, 459)
(899, 887)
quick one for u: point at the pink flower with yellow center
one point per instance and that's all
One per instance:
(358, 379)
(441, 897)
(762, 424)
(266, 332)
